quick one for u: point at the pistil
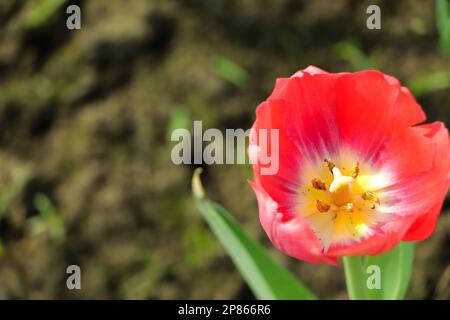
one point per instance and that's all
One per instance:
(341, 188)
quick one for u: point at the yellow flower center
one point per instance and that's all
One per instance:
(342, 202)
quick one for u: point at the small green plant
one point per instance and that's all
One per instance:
(229, 71)
(49, 219)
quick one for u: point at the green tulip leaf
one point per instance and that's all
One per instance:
(266, 278)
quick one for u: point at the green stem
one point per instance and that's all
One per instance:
(354, 278)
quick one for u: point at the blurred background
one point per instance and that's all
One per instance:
(86, 116)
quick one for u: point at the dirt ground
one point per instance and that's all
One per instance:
(85, 122)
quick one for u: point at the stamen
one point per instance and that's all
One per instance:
(322, 206)
(330, 164)
(355, 170)
(318, 184)
(370, 196)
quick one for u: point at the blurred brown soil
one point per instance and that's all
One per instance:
(84, 118)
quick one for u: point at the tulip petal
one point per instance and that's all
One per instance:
(370, 106)
(365, 119)
(438, 183)
(293, 236)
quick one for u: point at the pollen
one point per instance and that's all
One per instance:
(330, 164)
(318, 184)
(370, 196)
(322, 207)
(355, 170)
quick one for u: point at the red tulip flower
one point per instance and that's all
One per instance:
(356, 173)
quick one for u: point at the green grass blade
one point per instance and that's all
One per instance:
(429, 82)
(229, 71)
(443, 24)
(266, 278)
(43, 11)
